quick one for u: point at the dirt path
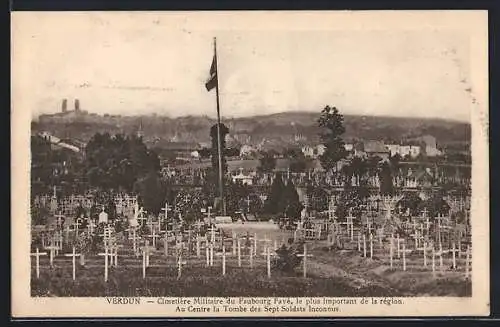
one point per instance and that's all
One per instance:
(366, 274)
(355, 279)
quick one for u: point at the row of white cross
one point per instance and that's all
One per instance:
(401, 250)
(111, 252)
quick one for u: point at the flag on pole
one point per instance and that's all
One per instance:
(212, 81)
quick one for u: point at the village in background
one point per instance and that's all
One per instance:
(376, 202)
(428, 151)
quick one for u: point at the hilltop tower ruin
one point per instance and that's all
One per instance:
(64, 105)
(77, 105)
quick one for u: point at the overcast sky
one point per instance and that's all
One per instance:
(158, 63)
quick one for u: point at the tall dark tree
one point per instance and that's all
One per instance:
(332, 127)
(214, 150)
(204, 153)
(290, 201)
(235, 194)
(395, 162)
(373, 164)
(273, 204)
(385, 176)
(152, 191)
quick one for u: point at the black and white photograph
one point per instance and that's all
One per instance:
(255, 159)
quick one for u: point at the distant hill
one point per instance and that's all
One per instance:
(286, 127)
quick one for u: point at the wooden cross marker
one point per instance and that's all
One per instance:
(91, 225)
(73, 255)
(60, 217)
(212, 233)
(151, 225)
(424, 213)
(143, 264)
(268, 255)
(369, 225)
(207, 254)
(223, 255)
(233, 238)
(53, 249)
(304, 255)
(107, 233)
(106, 255)
(364, 245)
(453, 251)
(433, 261)
(404, 256)
(166, 209)
(114, 255)
(147, 249)
(371, 246)
(132, 235)
(251, 254)
(141, 217)
(180, 263)
(154, 236)
(350, 225)
(239, 252)
(37, 254)
(415, 238)
(165, 241)
(208, 214)
(77, 224)
(211, 254)
(198, 245)
(266, 241)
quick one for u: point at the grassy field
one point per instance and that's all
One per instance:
(196, 281)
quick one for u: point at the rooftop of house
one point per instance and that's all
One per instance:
(375, 147)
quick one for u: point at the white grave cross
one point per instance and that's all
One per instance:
(37, 254)
(304, 255)
(73, 255)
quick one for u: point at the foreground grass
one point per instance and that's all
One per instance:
(195, 282)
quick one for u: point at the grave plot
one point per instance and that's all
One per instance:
(371, 255)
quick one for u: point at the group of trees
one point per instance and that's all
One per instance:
(415, 205)
(283, 199)
(331, 123)
(118, 162)
(52, 166)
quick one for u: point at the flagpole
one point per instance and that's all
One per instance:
(219, 141)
